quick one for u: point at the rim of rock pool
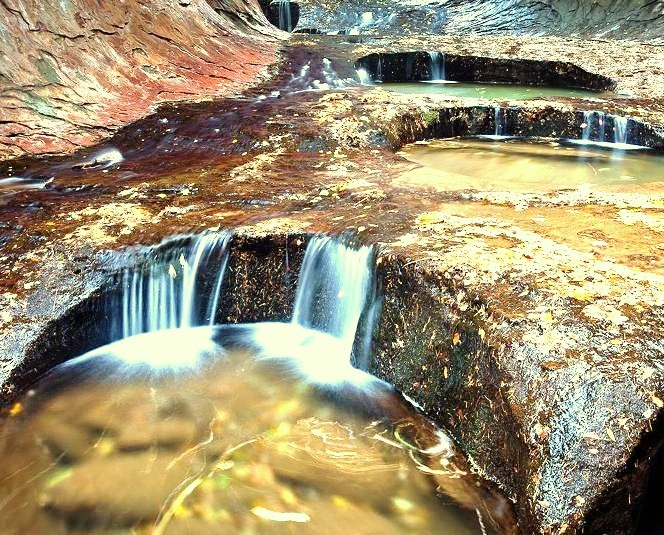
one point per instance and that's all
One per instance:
(538, 123)
(418, 66)
(426, 325)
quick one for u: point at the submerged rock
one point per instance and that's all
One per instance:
(117, 490)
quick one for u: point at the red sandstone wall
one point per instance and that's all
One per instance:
(73, 71)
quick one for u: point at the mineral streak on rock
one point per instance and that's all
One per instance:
(73, 73)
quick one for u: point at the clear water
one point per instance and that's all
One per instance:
(209, 430)
(488, 91)
(511, 164)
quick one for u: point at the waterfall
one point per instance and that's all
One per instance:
(334, 288)
(364, 76)
(620, 130)
(437, 64)
(179, 288)
(594, 121)
(594, 127)
(499, 121)
(285, 21)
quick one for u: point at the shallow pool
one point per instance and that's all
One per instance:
(489, 91)
(509, 164)
(218, 430)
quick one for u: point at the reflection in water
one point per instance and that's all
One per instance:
(209, 431)
(493, 91)
(512, 163)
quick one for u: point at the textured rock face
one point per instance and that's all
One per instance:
(74, 72)
(635, 20)
(528, 322)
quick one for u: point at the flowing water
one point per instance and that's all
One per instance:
(207, 431)
(285, 18)
(603, 128)
(489, 91)
(249, 429)
(437, 66)
(175, 289)
(515, 165)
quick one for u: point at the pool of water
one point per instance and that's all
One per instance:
(489, 91)
(515, 164)
(221, 430)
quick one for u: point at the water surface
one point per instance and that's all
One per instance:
(514, 164)
(489, 91)
(219, 430)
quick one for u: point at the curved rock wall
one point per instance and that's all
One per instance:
(641, 20)
(74, 71)
(623, 19)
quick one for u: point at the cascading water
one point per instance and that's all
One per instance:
(364, 76)
(596, 128)
(285, 17)
(620, 130)
(155, 419)
(334, 288)
(499, 120)
(437, 66)
(594, 122)
(168, 294)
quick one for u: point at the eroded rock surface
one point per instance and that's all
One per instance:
(528, 322)
(623, 19)
(74, 73)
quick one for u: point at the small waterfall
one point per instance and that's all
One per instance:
(594, 127)
(285, 20)
(437, 66)
(379, 69)
(499, 121)
(364, 76)
(334, 288)
(620, 130)
(594, 121)
(179, 288)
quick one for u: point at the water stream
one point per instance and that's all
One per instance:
(175, 289)
(261, 428)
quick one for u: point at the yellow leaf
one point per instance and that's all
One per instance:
(16, 409)
(456, 339)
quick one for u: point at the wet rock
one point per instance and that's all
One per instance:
(148, 57)
(121, 489)
(167, 433)
(199, 526)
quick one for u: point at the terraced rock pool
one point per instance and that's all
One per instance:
(202, 431)
(517, 165)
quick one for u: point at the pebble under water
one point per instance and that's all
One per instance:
(220, 430)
